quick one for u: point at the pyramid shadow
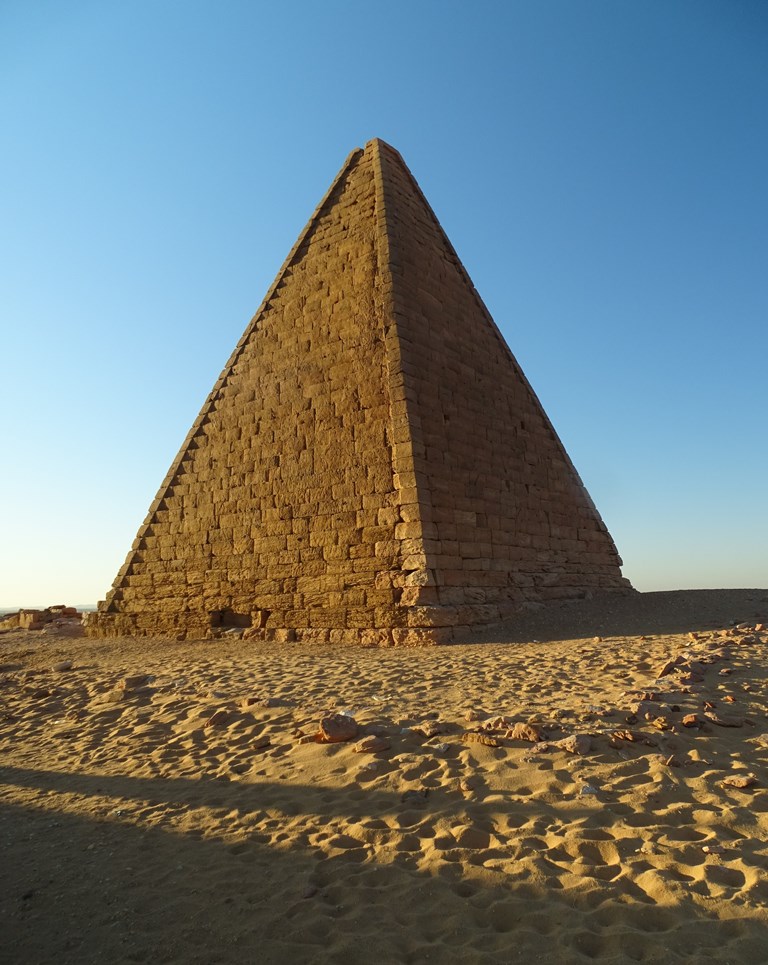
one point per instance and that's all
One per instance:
(633, 614)
(98, 886)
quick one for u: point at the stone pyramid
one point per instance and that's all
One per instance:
(372, 465)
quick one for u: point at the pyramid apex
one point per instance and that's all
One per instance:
(376, 143)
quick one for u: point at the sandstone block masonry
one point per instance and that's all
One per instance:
(372, 465)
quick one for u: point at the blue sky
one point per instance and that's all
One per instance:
(599, 167)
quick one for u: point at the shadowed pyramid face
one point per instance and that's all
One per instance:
(372, 465)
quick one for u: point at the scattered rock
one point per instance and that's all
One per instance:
(430, 728)
(748, 638)
(472, 737)
(217, 718)
(62, 665)
(645, 709)
(725, 720)
(337, 728)
(414, 795)
(38, 693)
(714, 849)
(740, 781)
(255, 700)
(133, 681)
(723, 653)
(692, 720)
(635, 737)
(260, 742)
(575, 743)
(373, 744)
(498, 723)
(525, 732)
(661, 722)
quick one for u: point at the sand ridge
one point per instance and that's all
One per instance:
(166, 802)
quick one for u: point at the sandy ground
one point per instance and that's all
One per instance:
(135, 829)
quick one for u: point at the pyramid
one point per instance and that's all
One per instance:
(372, 465)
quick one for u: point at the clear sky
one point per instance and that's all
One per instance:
(599, 165)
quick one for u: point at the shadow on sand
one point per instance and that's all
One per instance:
(140, 874)
(633, 614)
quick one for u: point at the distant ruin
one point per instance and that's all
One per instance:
(372, 465)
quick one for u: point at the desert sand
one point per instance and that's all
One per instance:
(169, 802)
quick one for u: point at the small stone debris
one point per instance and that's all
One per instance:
(692, 720)
(430, 728)
(38, 693)
(133, 681)
(670, 761)
(525, 732)
(713, 849)
(413, 795)
(725, 720)
(258, 701)
(337, 728)
(473, 715)
(668, 667)
(662, 722)
(588, 789)
(722, 653)
(740, 781)
(372, 744)
(473, 737)
(260, 742)
(574, 744)
(644, 709)
(309, 892)
(634, 737)
(500, 722)
(217, 718)
(62, 665)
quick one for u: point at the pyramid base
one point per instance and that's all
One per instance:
(408, 626)
(125, 625)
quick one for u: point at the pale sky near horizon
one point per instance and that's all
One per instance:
(599, 166)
